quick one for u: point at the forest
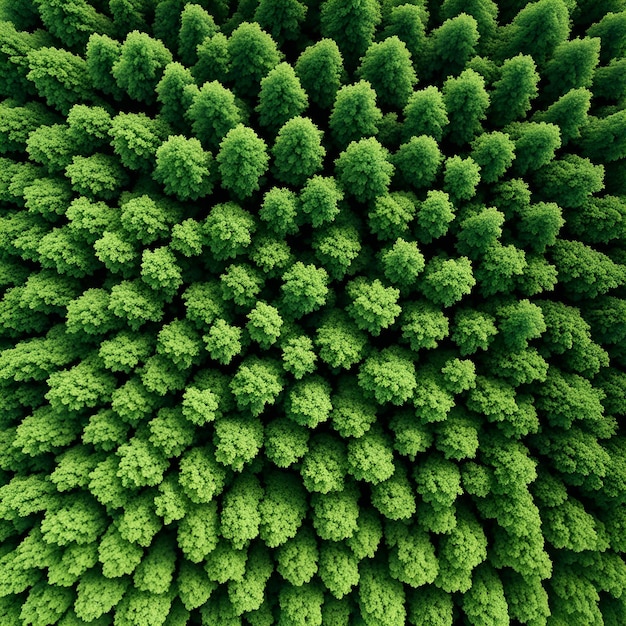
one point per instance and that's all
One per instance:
(312, 312)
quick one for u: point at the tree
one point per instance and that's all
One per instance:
(430, 605)
(461, 177)
(535, 144)
(304, 289)
(229, 230)
(493, 153)
(569, 113)
(570, 180)
(88, 126)
(299, 136)
(201, 477)
(572, 66)
(610, 30)
(600, 276)
(351, 24)
(97, 176)
(373, 306)
(417, 162)
(240, 518)
(140, 66)
(281, 20)
(145, 220)
(59, 76)
(387, 67)
(319, 199)
(281, 97)
(135, 139)
(242, 160)
(213, 112)
(608, 81)
(134, 302)
(282, 509)
(320, 70)
(335, 514)
(298, 357)
(256, 383)
(160, 271)
(301, 605)
(324, 465)
(389, 376)
(196, 24)
(370, 457)
(173, 95)
(213, 59)
(341, 344)
(237, 440)
(367, 537)
(604, 138)
(453, 44)
(480, 231)
(354, 114)
(338, 569)
(102, 54)
(308, 402)
(253, 53)
(423, 325)
(485, 12)
(381, 598)
(425, 114)
(466, 102)
(485, 599)
(434, 215)
(514, 90)
(184, 168)
(407, 22)
(363, 169)
(285, 442)
(90, 314)
(264, 324)
(536, 30)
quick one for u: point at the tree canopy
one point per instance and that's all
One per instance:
(312, 312)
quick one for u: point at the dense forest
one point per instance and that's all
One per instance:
(312, 312)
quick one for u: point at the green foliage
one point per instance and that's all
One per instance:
(320, 70)
(298, 136)
(377, 345)
(242, 159)
(253, 53)
(363, 169)
(281, 97)
(466, 103)
(417, 162)
(140, 66)
(354, 114)
(388, 68)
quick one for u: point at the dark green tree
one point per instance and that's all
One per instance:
(320, 70)
(363, 169)
(184, 168)
(351, 24)
(417, 162)
(299, 136)
(242, 160)
(354, 114)
(213, 112)
(466, 103)
(140, 66)
(281, 97)
(253, 53)
(282, 20)
(388, 68)
(213, 59)
(511, 97)
(453, 44)
(196, 24)
(536, 30)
